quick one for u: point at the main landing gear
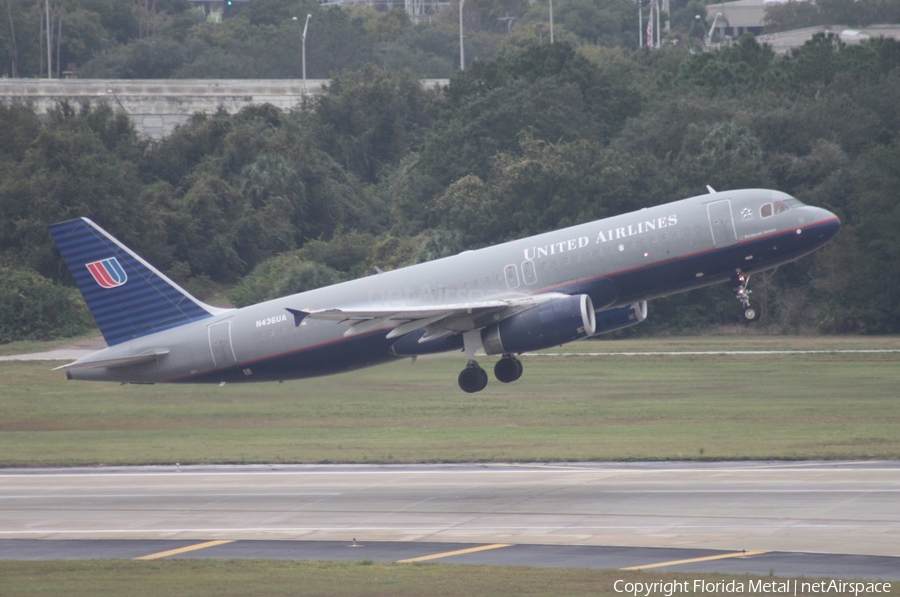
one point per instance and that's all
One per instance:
(474, 379)
(739, 283)
(508, 369)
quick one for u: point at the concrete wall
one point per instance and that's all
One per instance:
(157, 106)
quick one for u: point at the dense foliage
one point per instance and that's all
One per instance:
(380, 172)
(150, 39)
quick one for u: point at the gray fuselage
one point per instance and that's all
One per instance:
(616, 261)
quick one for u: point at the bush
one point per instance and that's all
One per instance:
(280, 276)
(34, 308)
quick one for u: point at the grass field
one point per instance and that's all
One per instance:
(240, 578)
(599, 407)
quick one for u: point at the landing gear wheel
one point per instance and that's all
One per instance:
(751, 313)
(508, 369)
(473, 378)
(739, 283)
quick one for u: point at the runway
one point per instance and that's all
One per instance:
(809, 518)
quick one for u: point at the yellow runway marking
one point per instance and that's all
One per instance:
(724, 556)
(458, 552)
(175, 552)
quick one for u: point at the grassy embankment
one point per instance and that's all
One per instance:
(606, 407)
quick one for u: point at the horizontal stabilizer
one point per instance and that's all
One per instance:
(128, 361)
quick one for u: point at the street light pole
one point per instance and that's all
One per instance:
(305, 27)
(551, 22)
(303, 49)
(49, 42)
(462, 46)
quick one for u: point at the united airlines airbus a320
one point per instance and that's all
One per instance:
(507, 299)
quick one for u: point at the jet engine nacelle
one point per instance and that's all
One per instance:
(621, 317)
(549, 324)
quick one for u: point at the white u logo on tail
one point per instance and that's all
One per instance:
(108, 273)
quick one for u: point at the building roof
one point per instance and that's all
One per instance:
(787, 40)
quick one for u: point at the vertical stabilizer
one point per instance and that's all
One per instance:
(127, 296)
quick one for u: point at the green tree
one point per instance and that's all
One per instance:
(79, 164)
(870, 300)
(34, 308)
(20, 125)
(725, 155)
(545, 93)
(601, 22)
(369, 119)
(280, 276)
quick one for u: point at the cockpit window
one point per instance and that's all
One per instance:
(777, 207)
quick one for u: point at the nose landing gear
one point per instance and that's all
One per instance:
(739, 283)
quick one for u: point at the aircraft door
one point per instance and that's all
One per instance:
(529, 274)
(511, 273)
(721, 222)
(220, 344)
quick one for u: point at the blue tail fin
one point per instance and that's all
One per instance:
(127, 296)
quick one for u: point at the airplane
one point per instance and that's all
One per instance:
(507, 299)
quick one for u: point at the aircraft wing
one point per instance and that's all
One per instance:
(438, 320)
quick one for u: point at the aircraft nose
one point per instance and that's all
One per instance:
(826, 224)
